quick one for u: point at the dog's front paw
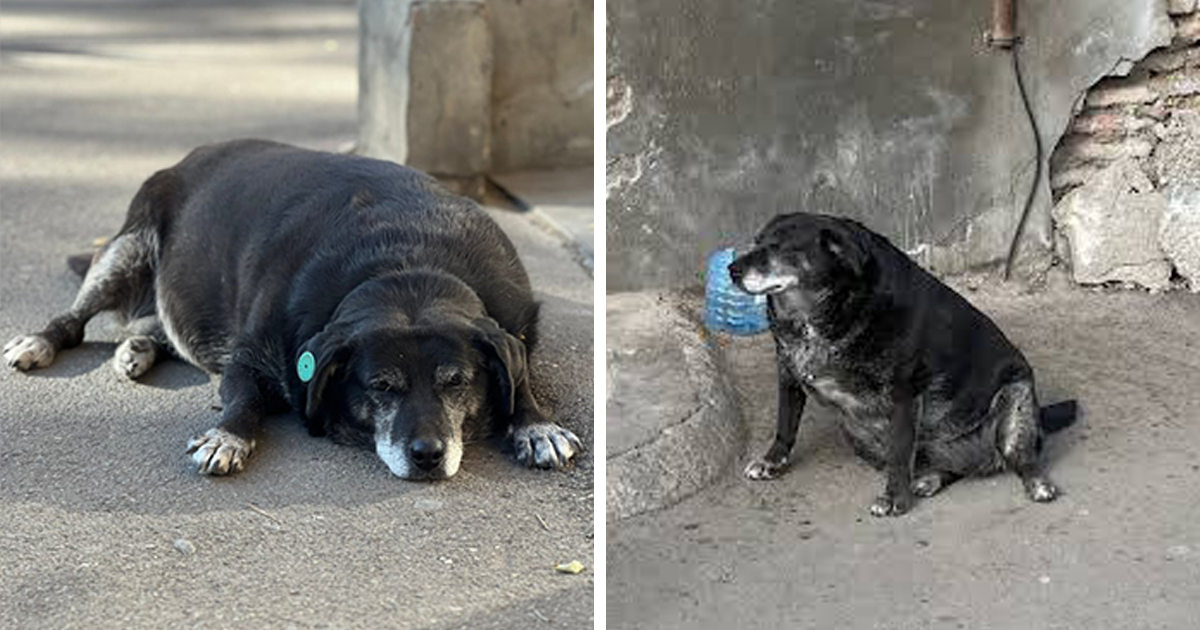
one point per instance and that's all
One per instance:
(762, 470)
(219, 452)
(26, 352)
(893, 504)
(134, 357)
(545, 445)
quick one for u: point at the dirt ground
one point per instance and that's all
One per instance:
(1120, 549)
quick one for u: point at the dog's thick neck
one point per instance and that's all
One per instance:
(796, 303)
(829, 311)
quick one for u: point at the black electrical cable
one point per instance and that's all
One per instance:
(1037, 173)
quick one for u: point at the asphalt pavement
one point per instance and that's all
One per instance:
(103, 521)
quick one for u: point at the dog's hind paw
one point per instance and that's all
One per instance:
(927, 485)
(1041, 490)
(26, 352)
(545, 445)
(762, 470)
(219, 452)
(134, 357)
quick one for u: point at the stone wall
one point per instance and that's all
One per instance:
(1126, 176)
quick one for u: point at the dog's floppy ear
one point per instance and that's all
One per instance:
(317, 363)
(505, 360)
(844, 248)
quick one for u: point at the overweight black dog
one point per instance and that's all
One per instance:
(386, 311)
(930, 389)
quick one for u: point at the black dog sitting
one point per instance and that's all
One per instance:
(928, 385)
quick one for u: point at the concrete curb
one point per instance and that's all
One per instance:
(673, 424)
(577, 244)
(551, 197)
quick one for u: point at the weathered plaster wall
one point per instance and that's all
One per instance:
(723, 114)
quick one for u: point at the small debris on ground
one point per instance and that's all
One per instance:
(264, 513)
(428, 505)
(573, 567)
(1178, 551)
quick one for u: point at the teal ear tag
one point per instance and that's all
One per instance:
(305, 366)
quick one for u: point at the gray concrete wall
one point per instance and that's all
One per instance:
(543, 85)
(384, 48)
(460, 88)
(723, 114)
(450, 97)
(425, 87)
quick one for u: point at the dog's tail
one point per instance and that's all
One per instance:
(1056, 417)
(80, 263)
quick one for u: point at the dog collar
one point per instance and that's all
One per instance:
(305, 366)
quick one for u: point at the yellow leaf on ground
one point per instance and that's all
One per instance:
(572, 567)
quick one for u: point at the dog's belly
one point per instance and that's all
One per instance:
(943, 442)
(866, 420)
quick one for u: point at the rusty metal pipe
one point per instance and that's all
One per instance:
(1004, 19)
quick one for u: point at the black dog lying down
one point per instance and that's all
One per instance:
(387, 312)
(927, 384)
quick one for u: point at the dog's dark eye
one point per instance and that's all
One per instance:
(382, 386)
(457, 379)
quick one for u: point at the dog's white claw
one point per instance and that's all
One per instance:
(26, 352)
(134, 357)
(219, 452)
(545, 445)
(892, 506)
(761, 470)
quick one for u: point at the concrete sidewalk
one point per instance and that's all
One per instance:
(1120, 550)
(103, 522)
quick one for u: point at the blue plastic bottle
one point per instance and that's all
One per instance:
(726, 307)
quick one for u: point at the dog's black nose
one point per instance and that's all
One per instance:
(427, 454)
(735, 271)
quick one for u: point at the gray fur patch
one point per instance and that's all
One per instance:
(770, 282)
